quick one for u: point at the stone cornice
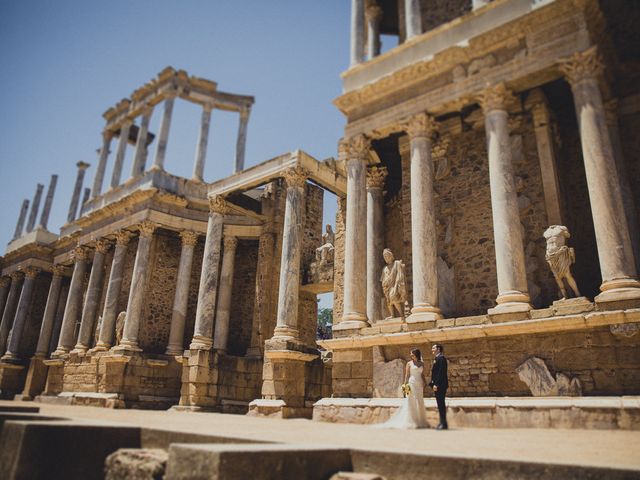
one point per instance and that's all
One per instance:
(586, 65)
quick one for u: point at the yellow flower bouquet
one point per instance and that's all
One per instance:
(406, 389)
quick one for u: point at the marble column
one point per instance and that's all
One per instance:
(223, 309)
(77, 188)
(138, 286)
(241, 142)
(208, 289)
(98, 179)
(46, 210)
(181, 298)
(510, 263)
(35, 206)
(110, 311)
(92, 298)
(120, 153)
(50, 309)
(289, 286)
(203, 139)
(413, 18)
(374, 17)
(5, 283)
(9, 311)
(15, 337)
(355, 257)
(74, 303)
(163, 138)
(375, 241)
(23, 216)
(357, 32)
(612, 233)
(424, 240)
(140, 157)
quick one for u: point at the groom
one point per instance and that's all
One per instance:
(439, 383)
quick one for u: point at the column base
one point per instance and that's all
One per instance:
(101, 347)
(80, 349)
(424, 314)
(60, 352)
(625, 290)
(286, 333)
(174, 351)
(200, 342)
(127, 346)
(11, 358)
(352, 321)
(510, 307)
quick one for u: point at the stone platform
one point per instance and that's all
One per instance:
(621, 413)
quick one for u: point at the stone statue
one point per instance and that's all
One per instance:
(120, 326)
(328, 237)
(560, 257)
(393, 284)
(321, 269)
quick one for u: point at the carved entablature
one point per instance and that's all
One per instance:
(582, 66)
(295, 176)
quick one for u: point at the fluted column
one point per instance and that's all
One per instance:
(203, 139)
(181, 299)
(98, 179)
(94, 291)
(140, 158)
(357, 32)
(9, 311)
(46, 210)
(15, 337)
(375, 240)
(46, 329)
(424, 241)
(23, 216)
(355, 261)
(74, 303)
(612, 233)
(510, 265)
(208, 289)
(241, 142)
(120, 154)
(223, 310)
(77, 188)
(289, 286)
(413, 18)
(163, 137)
(138, 286)
(35, 206)
(110, 311)
(374, 17)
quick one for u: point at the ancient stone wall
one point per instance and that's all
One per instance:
(308, 318)
(239, 378)
(437, 12)
(317, 381)
(242, 297)
(352, 373)
(338, 276)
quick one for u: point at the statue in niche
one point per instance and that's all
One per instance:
(560, 257)
(321, 269)
(393, 284)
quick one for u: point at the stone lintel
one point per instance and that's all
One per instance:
(289, 355)
(54, 362)
(154, 362)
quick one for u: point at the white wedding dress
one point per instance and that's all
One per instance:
(411, 413)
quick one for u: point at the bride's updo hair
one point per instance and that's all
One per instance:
(417, 353)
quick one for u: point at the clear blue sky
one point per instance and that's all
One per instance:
(63, 63)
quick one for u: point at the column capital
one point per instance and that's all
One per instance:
(147, 110)
(58, 270)
(16, 276)
(373, 12)
(244, 112)
(82, 165)
(147, 228)
(107, 134)
(357, 147)
(4, 282)
(79, 254)
(208, 107)
(123, 237)
(295, 176)
(189, 238)
(31, 272)
(586, 65)
(230, 242)
(102, 245)
(376, 177)
(217, 204)
(420, 125)
(497, 97)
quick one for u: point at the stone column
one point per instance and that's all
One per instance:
(15, 337)
(413, 18)
(242, 139)
(181, 299)
(77, 188)
(374, 16)
(203, 139)
(110, 311)
(46, 329)
(35, 206)
(23, 216)
(355, 275)
(5, 283)
(92, 298)
(44, 218)
(74, 303)
(223, 311)
(163, 138)
(612, 234)
(140, 158)
(375, 241)
(510, 263)
(357, 32)
(289, 286)
(476, 4)
(138, 286)
(208, 289)
(424, 240)
(9, 311)
(102, 163)
(120, 153)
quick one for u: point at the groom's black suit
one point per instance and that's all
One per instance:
(439, 379)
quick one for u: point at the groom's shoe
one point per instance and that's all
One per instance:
(442, 427)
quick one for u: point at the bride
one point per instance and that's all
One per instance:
(411, 413)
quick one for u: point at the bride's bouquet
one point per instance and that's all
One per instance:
(406, 389)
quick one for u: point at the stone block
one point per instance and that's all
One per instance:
(341, 370)
(136, 464)
(476, 320)
(445, 323)
(362, 370)
(348, 356)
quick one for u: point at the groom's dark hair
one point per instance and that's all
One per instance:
(439, 347)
